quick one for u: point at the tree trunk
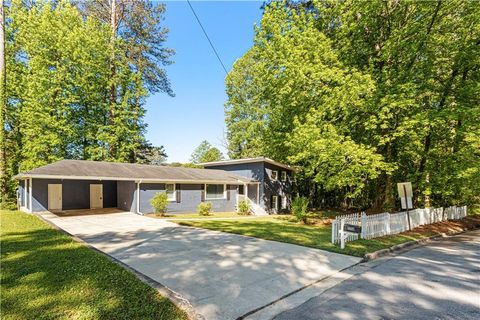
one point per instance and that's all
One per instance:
(112, 100)
(389, 198)
(3, 111)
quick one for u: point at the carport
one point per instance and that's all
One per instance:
(89, 185)
(58, 195)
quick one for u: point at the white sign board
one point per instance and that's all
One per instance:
(405, 187)
(409, 202)
(405, 193)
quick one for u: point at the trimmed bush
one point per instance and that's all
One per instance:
(159, 203)
(299, 208)
(244, 207)
(204, 208)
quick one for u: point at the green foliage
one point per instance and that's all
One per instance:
(159, 202)
(59, 78)
(244, 207)
(149, 154)
(299, 208)
(204, 208)
(205, 152)
(361, 95)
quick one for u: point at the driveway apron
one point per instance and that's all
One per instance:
(223, 275)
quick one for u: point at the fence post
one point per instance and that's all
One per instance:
(388, 223)
(334, 230)
(342, 235)
(364, 225)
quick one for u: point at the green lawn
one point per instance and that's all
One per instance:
(47, 275)
(286, 229)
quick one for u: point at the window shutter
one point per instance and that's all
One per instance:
(178, 192)
(271, 202)
(228, 192)
(202, 192)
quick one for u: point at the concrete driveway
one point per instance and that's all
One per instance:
(437, 281)
(223, 276)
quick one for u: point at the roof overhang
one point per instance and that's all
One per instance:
(247, 160)
(143, 180)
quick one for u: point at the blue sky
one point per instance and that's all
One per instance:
(196, 112)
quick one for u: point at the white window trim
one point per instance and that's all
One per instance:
(275, 203)
(224, 191)
(284, 202)
(174, 192)
(283, 176)
(276, 178)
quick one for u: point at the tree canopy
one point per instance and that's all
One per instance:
(205, 152)
(76, 85)
(362, 95)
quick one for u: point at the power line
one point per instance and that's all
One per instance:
(208, 38)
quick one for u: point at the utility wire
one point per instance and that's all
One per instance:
(208, 38)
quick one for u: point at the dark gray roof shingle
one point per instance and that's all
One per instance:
(130, 171)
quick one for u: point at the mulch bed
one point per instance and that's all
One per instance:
(451, 226)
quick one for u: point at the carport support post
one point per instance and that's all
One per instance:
(138, 197)
(30, 195)
(25, 193)
(258, 193)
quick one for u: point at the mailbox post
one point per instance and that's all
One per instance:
(345, 230)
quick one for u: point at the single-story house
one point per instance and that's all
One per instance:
(79, 184)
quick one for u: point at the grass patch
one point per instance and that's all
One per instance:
(286, 229)
(47, 275)
(196, 215)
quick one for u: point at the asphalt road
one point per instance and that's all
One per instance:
(437, 281)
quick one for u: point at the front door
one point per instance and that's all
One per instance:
(54, 197)
(96, 196)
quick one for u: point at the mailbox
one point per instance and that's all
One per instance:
(352, 228)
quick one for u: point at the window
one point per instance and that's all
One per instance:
(275, 202)
(274, 175)
(284, 202)
(214, 191)
(170, 190)
(283, 176)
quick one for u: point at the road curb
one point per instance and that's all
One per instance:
(176, 298)
(409, 245)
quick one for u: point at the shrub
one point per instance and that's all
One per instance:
(204, 208)
(299, 208)
(159, 203)
(244, 207)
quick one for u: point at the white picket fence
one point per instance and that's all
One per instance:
(353, 218)
(383, 224)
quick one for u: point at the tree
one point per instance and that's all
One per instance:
(3, 111)
(59, 80)
(205, 152)
(151, 155)
(137, 55)
(363, 95)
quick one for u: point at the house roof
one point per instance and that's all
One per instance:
(98, 170)
(247, 160)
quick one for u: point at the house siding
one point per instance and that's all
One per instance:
(276, 187)
(75, 193)
(126, 196)
(262, 172)
(190, 198)
(253, 170)
(21, 193)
